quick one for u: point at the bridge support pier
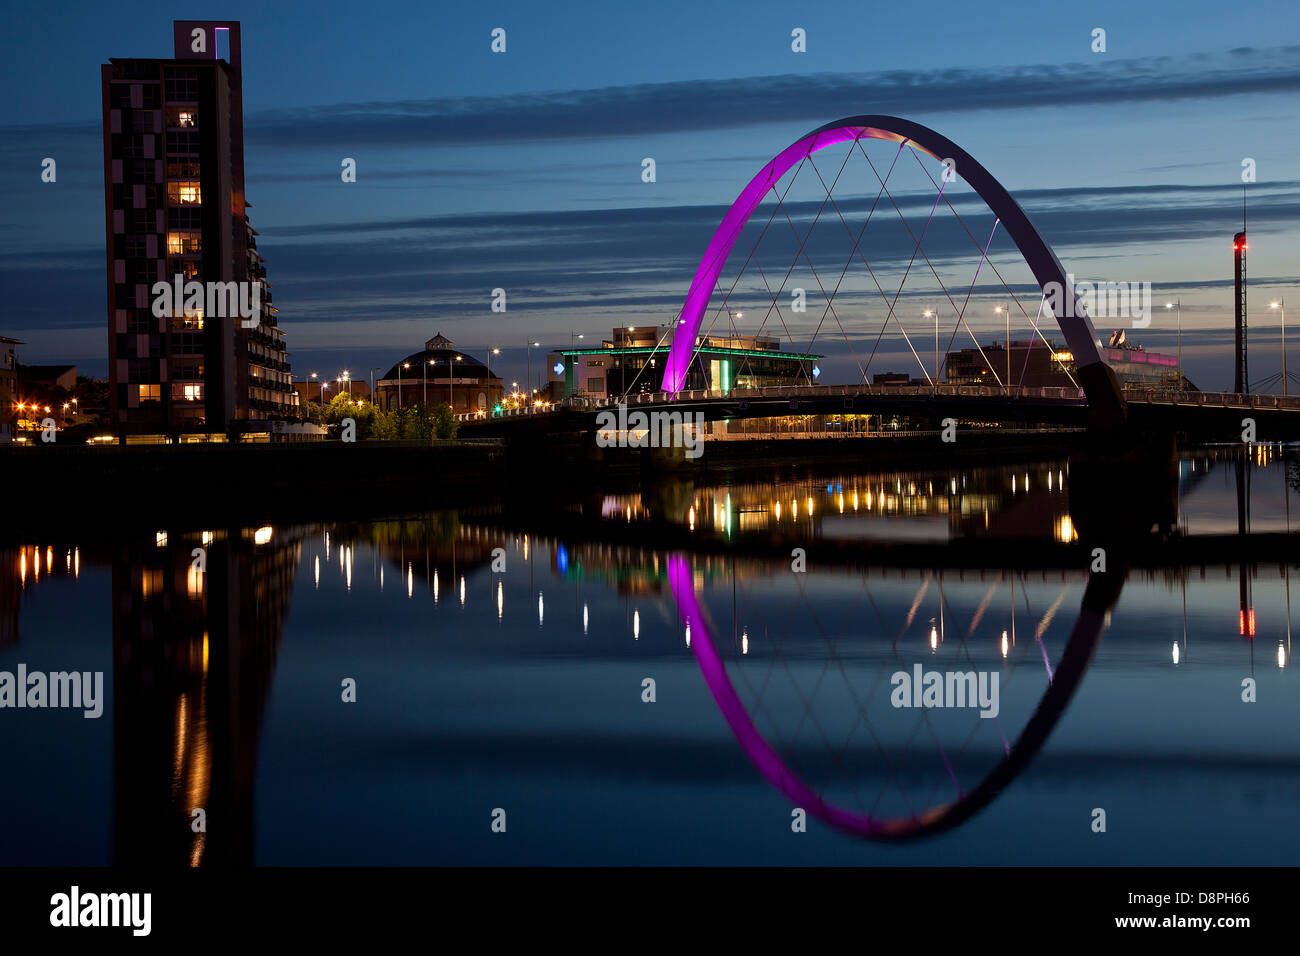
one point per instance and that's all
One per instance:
(1124, 484)
(669, 458)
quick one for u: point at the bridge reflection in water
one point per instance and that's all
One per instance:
(769, 650)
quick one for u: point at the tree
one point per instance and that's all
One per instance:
(366, 415)
(444, 421)
(417, 423)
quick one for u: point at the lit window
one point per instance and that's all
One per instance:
(149, 393)
(184, 243)
(187, 268)
(185, 193)
(193, 393)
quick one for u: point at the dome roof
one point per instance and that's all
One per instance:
(438, 350)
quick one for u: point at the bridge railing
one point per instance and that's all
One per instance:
(1052, 393)
(1244, 400)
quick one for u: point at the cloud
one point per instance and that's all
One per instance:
(639, 260)
(693, 105)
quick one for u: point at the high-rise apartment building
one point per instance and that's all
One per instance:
(212, 360)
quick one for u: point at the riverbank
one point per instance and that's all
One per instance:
(127, 486)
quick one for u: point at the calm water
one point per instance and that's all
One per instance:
(522, 689)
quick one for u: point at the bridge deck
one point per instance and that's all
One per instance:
(1210, 414)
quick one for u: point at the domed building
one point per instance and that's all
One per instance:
(439, 375)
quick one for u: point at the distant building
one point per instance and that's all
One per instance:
(632, 361)
(1035, 363)
(312, 390)
(440, 375)
(8, 386)
(174, 206)
(892, 378)
(47, 378)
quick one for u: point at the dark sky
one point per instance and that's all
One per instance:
(522, 170)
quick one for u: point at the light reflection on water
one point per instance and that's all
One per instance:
(523, 688)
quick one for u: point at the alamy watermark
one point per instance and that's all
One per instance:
(218, 300)
(651, 430)
(1101, 300)
(75, 909)
(923, 688)
(72, 689)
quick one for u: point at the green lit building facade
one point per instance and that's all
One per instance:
(631, 361)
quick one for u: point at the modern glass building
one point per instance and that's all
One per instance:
(631, 361)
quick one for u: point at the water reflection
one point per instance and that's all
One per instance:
(502, 643)
(197, 625)
(920, 814)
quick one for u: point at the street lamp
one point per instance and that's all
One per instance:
(372, 382)
(1007, 312)
(450, 401)
(528, 356)
(731, 318)
(1280, 305)
(1178, 305)
(927, 313)
(347, 377)
(399, 382)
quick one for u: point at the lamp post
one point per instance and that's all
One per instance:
(491, 352)
(347, 378)
(372, 383)
(450, 401)
(731, 320)
(399, 382)
(424, 399)
(927, 314)
(528, 357)
(1007, 312)
(1280, 305)
(1178, 305)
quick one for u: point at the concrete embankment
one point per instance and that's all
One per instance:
(130, 486)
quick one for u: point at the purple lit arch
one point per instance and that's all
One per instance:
(1105, 400)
